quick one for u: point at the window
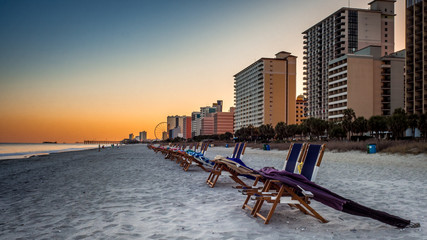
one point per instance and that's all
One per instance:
(386, 29)
(385, 47)
(385, 35)
(386, 23)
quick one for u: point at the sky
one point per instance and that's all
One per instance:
(75, 70)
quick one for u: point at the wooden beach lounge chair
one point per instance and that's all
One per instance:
(294, 157)
(294, 197)
(182, 154)
(197, 159)
(219, 166)
(300, 189)
(235, 168)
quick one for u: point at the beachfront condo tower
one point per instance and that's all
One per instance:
(301, 108)
(265, 92)
(344, 31)
(416, 56)
(366, 82)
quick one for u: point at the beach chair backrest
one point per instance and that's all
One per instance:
(236, 148)
(295, 154)
(241, 150)
(204, 148)
(190, 146)
(312, 159)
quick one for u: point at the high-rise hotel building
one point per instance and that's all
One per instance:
(265, 92)
(416, 56)
(367, 83)
(344, 31)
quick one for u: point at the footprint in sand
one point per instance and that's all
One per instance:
(110, 226)
(128, 227)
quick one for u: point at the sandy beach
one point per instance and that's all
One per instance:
(133, 193)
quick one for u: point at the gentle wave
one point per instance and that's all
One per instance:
(19, 150)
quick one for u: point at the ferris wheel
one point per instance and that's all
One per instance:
(160, 129)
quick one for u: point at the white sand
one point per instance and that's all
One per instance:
(133, 193)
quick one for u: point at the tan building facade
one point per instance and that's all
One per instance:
(300, 109)
(365, 82)
(343, 32)
(265, 92)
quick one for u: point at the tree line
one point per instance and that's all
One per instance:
(350, 127)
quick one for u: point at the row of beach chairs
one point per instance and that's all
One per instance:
(302, 159)
(293, 185)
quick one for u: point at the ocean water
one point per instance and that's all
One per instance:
(25, 150)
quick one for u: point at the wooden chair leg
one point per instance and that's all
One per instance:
(273, 208)
(210, 177)
(250, 194)
(214, 175)
(260, 201)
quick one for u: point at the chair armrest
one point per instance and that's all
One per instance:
(306, 193)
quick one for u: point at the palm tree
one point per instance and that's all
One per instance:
(266, 131)
(252, 132)
(377, 124)
(422, 124)
(360, 125)
(317, 126)
(303, 128)
(349, 116)
(280, 130)
(412, 123)
(241, 134)
(292, 130)
(398, 123)
(336, 131)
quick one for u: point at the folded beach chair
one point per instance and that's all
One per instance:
(291, 195)
(220, 165)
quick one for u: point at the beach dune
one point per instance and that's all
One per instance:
(133, 193)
